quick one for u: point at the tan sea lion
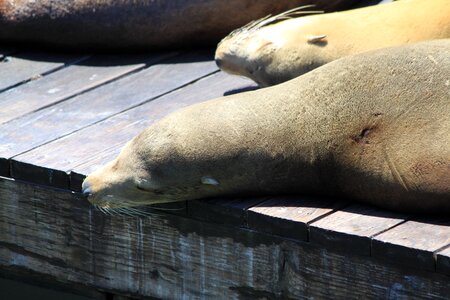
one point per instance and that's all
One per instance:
(373, 127)
(270, 54)
(131, 24)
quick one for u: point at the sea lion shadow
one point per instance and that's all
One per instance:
(365, 3)
(110, 59)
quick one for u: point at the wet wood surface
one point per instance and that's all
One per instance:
(63, 116)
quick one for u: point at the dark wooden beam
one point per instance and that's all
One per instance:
(57, 234)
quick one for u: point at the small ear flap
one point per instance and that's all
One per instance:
(209, 181)
(317, 39)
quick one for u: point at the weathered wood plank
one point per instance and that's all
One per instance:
(290, 216)
(413, 242)
(205, 89)
(443, 261)
(70, 81)
(226, 211)
(95, 145)
(41, 175)
(17, 289)
(173, 257)
(23, 134)
(4, 167)
(352, 228)
(25, 66)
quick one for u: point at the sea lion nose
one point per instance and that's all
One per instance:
(86, 188)
(219, 62)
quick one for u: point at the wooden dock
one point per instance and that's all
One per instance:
(64, 115)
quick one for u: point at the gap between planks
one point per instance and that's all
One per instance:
(49, 155)
(39, 71)
(196, 71)
(110, 75)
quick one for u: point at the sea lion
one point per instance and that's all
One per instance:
(136, 24)
(373, 127)
(270, 54)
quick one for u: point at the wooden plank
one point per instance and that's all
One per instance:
(205, 89)
(290, 216)
(42, 175)
(351, 229)
(102, 141)
(70, 81)
(4, 167)
(25, 66)
(16, 289)
(443, 261)
(414, 242)
(23, 134)
(225, 211)
(172, 257)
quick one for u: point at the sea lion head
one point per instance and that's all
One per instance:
(119, 183)
(154, 167)
(245, 53)
(258, 50)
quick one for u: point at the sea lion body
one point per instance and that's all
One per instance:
(373, 127)
(282, 51)
(135, 24)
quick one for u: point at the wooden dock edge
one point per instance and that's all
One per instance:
(51, 236)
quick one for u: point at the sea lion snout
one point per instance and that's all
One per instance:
(86, 188)
(219, 61)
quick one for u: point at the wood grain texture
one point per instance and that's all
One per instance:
(25, 66)
(290, 216)
(41, 175)
(443, 261)
(17, 288)
(70, 81)
(95, 145)
(172, 257)
(24, 134)
(4, 167)
(413, 242)
(226, 211)
(351, 229)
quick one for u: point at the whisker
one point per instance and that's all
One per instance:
(140, 212)
(107, 211)
(114, 211)
(166, 209)
(124, 211)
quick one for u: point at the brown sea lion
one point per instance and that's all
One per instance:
(270, 54)
(119, 24)
(373, 127)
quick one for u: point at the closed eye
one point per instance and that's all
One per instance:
(155, 192)
(142, 189)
